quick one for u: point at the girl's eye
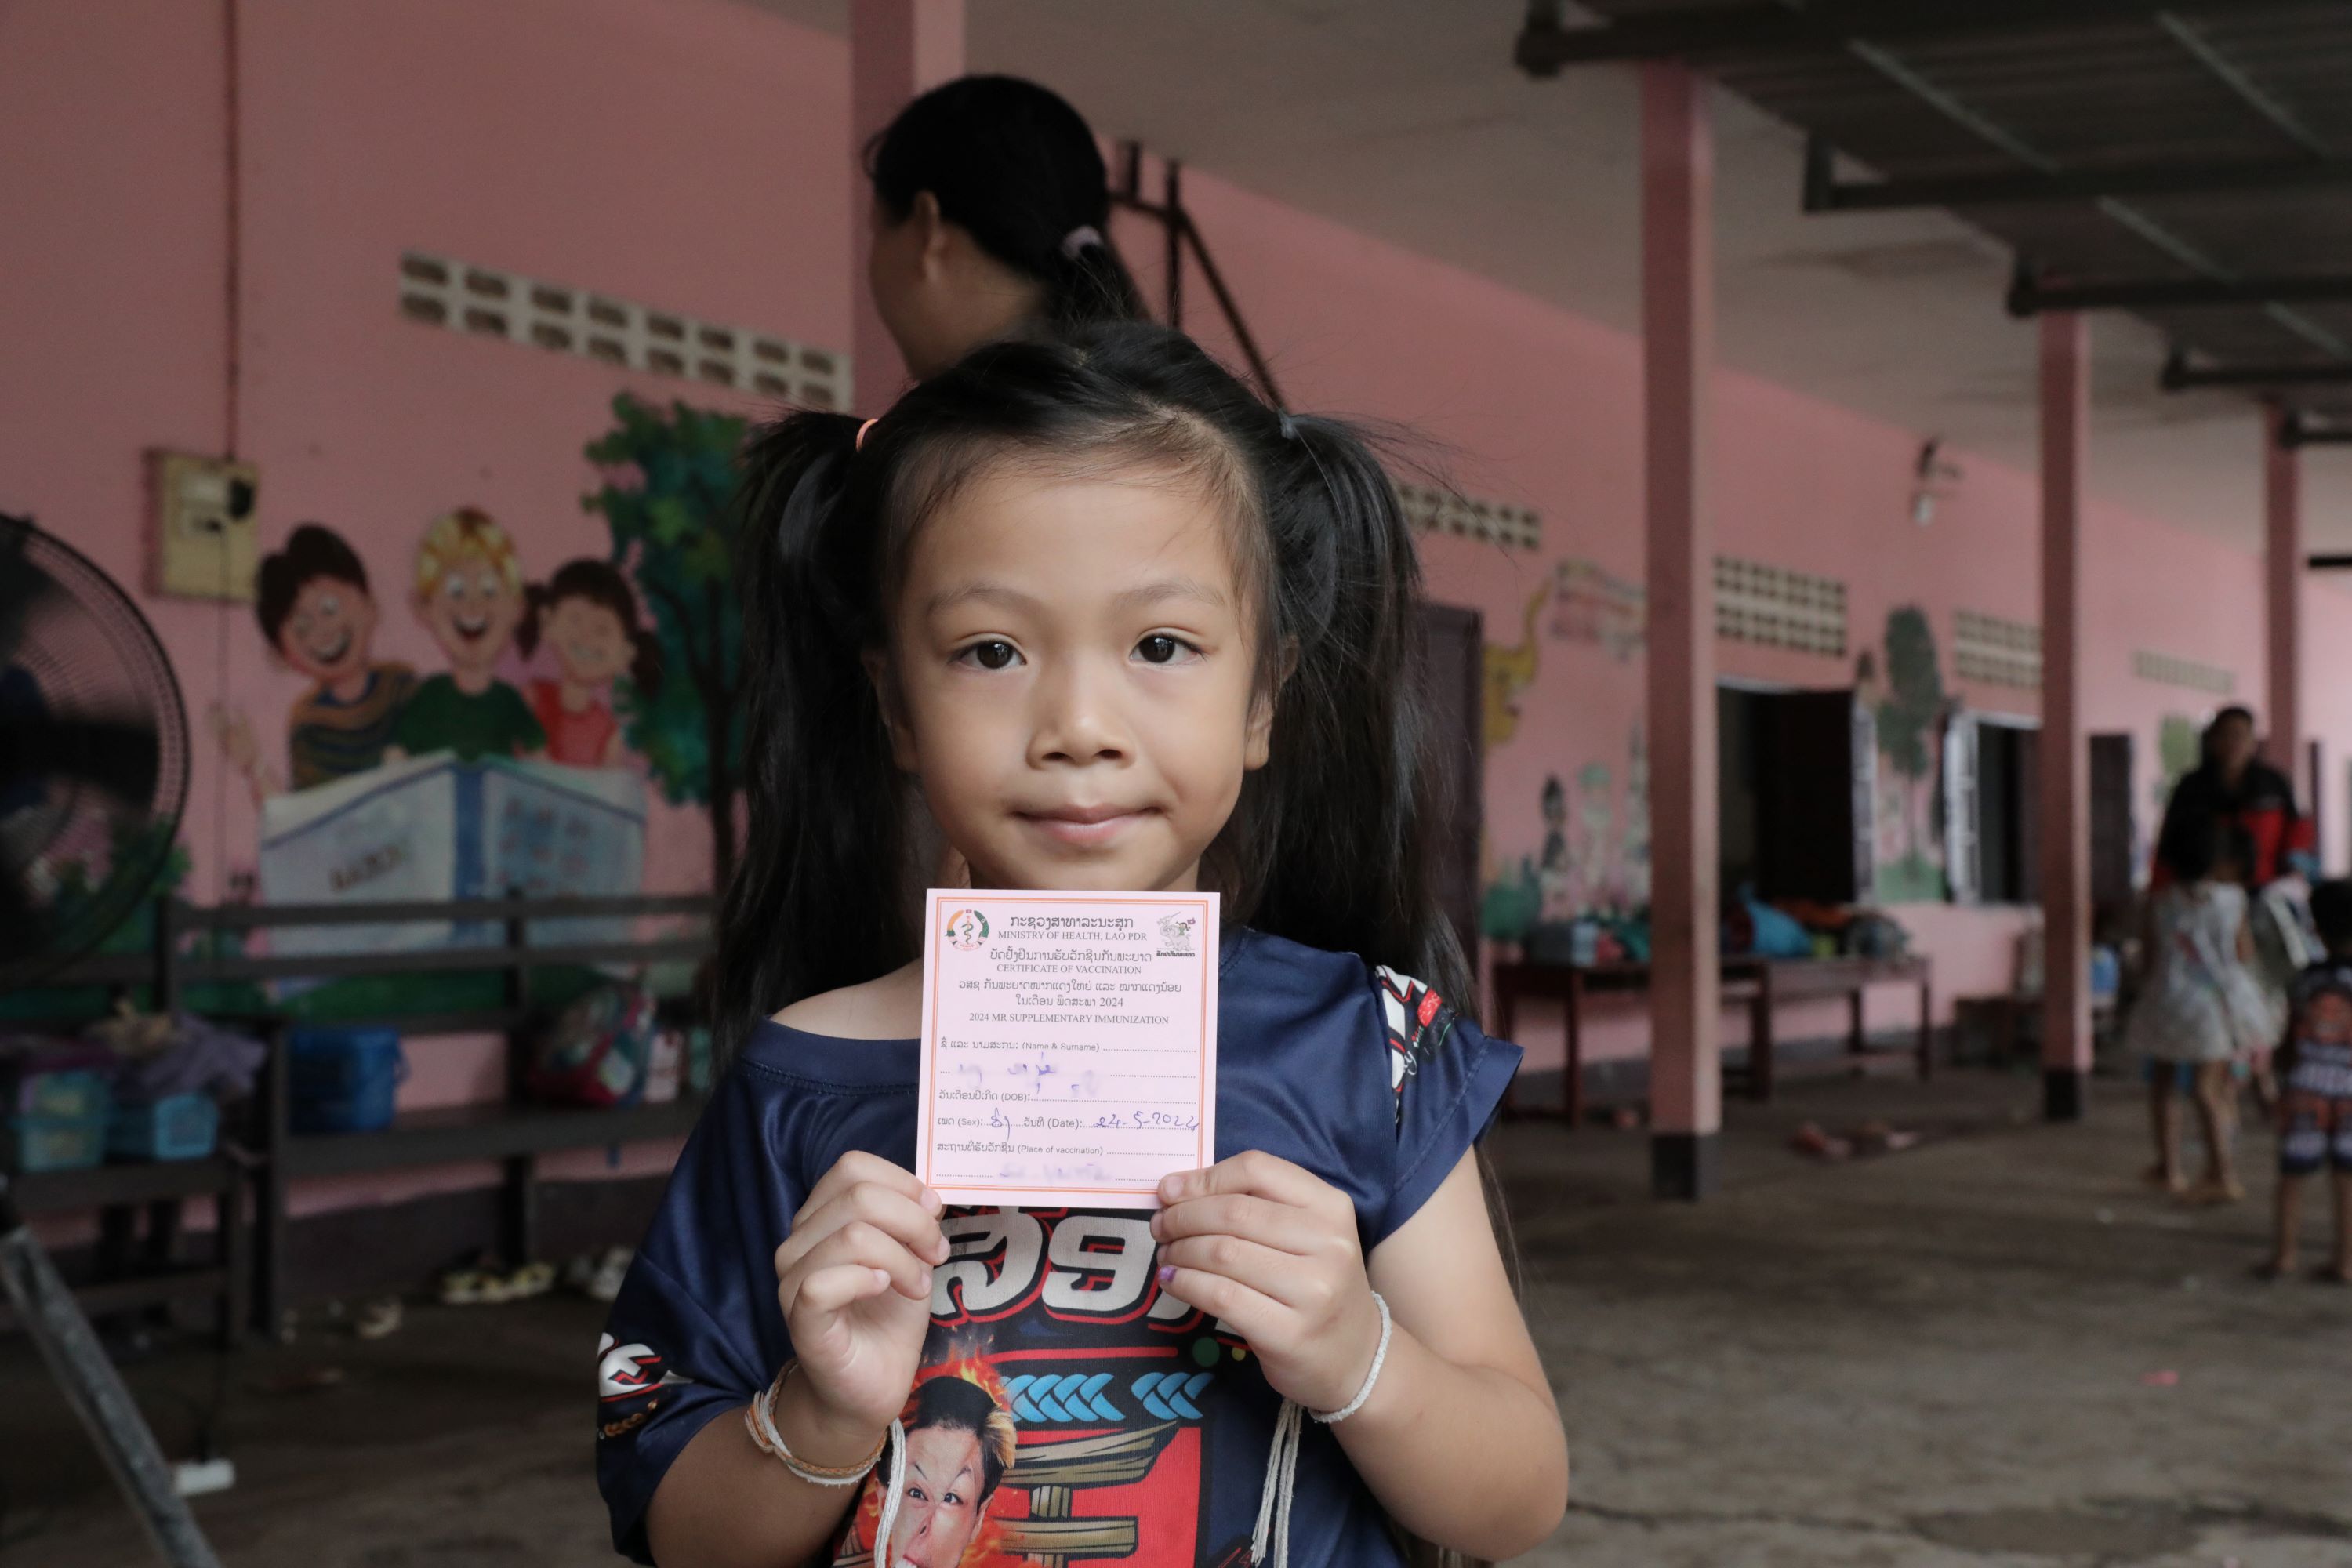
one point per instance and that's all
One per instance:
(1161, 648)
(992, 654)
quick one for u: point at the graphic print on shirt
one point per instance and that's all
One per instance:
(629, 1381)
(1057, 1416)
(1418, 1022)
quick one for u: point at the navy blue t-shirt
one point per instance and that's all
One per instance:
(1138, 1430)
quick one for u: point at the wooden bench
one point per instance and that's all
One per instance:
(1761, 984)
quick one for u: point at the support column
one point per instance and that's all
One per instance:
(2283, 558)
(898, 50)
(2065, 750)
(1677, 362)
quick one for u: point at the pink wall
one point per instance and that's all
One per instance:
(1531, 406)
(692, 154)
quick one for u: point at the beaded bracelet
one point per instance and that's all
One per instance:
(760, 1421)
(1379, 1358)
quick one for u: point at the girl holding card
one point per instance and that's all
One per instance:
(1127, 629)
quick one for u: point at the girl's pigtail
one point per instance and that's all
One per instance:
(1352, 772)
(813, 903)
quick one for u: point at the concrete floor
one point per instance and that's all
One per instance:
(1938, 1359)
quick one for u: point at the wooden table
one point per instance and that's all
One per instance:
(1763, 984)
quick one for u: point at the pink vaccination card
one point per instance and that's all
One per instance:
(1069, 1051)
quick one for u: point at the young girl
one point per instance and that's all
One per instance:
(2201, 1009)
(1129, 628)
(588, 614)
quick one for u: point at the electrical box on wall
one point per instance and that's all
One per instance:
(204, 539)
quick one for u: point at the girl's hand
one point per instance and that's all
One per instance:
(855, 1282)
(1272, 1250)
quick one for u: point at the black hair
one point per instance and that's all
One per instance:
(599, 582)
(959, 1406)
(2234, 711)
(312, 551)
(1014, 166)
(2331, 913)
(2193, 844)
(1330, 843)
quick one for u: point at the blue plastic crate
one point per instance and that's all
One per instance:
(68, 1094)
(344, 1079)
(178, 1126)
(36, 1143)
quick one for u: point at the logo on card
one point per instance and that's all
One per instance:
(967, 929)
(1176, 935)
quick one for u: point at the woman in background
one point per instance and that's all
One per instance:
(991, 214)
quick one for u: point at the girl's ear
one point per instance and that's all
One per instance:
(1258, 742)
(894, 714)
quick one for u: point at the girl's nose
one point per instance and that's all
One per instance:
(1078, 720)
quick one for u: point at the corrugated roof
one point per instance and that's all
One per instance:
(2205, 149)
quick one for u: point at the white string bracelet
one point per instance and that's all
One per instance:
(1379, 1358)
(760, 1421)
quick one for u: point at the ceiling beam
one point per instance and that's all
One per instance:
(1829, 195)
(1546, 45)
(2179, 375)
(2030, 294)
(2297, 430)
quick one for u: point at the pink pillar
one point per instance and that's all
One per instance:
(1678, 359)
(898, 50)
(2282, 556)
(2065, 752)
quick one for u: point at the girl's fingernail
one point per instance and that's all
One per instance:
(882, 1277)
(932, 1200)
(1167, 1272)
(927, 1280)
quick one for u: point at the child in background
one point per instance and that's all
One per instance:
(469, 596)
(2200, 1011)
(1127, 629)
(2316, 1089)
(587, 613)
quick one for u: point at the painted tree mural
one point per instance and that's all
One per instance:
(668, 496)
(1910, 709)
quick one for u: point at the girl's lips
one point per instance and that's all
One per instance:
(1084, 828)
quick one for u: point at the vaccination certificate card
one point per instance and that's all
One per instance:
(1069, 1051)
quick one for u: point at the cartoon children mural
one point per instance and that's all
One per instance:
(587, 616)
(319, 617)
(469, 595)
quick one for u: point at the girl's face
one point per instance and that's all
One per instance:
(1071, 675)
(589, 640)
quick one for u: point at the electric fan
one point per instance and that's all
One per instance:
(93, 755)
(93, 772)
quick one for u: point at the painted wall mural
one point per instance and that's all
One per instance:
(1592, 604)
(1510, 671)
(668, 500)
(1908, 695)
(523, 761)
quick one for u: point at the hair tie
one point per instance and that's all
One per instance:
(1078, 238)
(860, 444)
(1289, 426)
